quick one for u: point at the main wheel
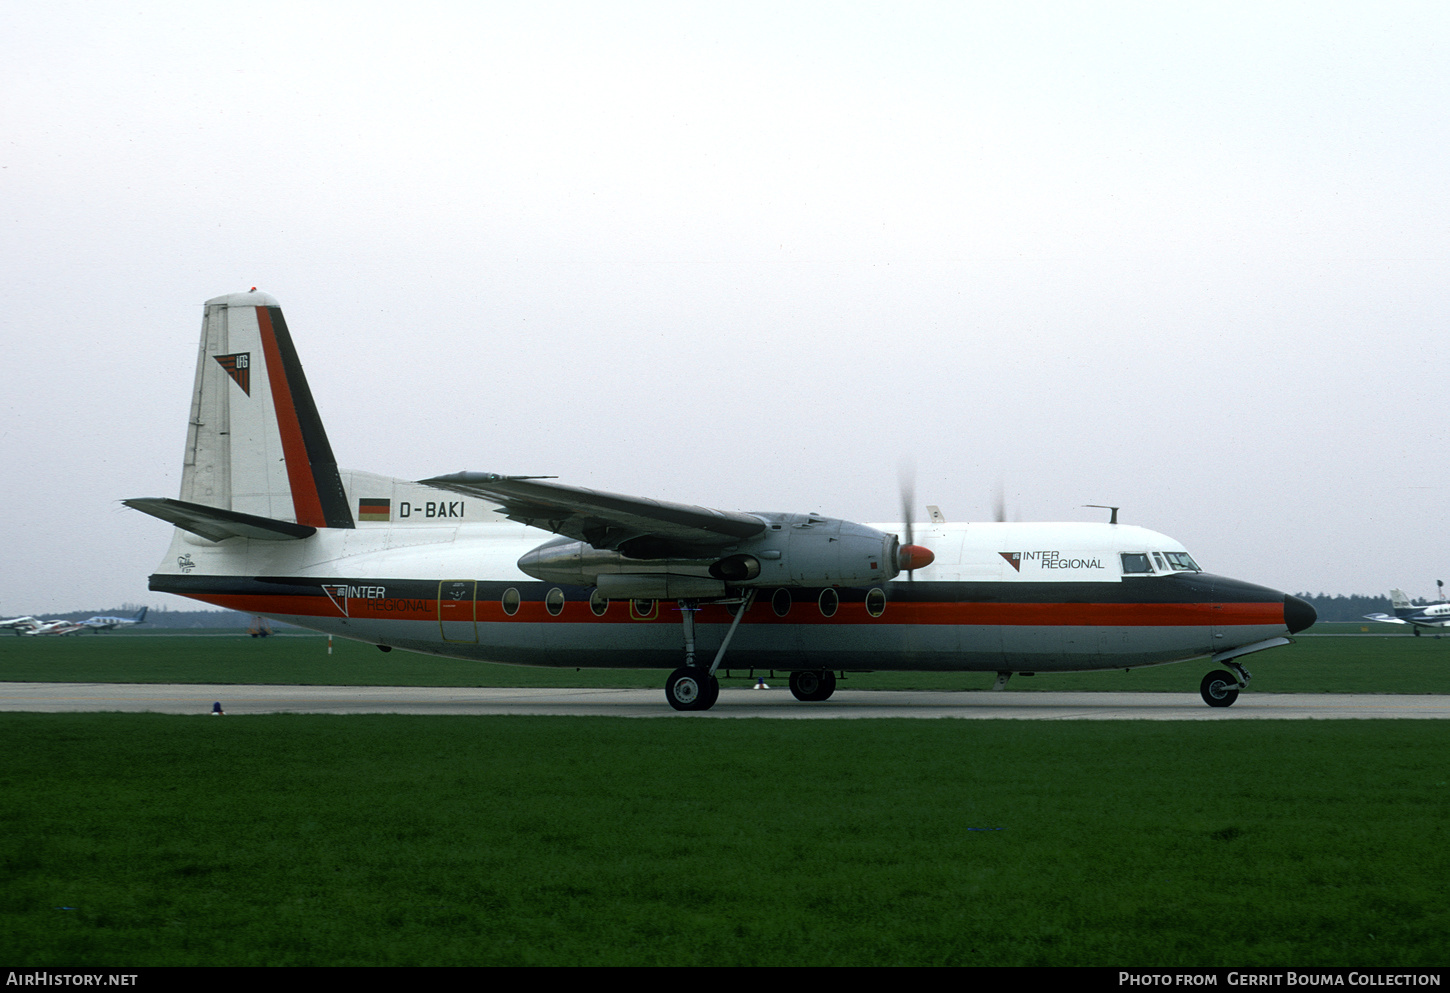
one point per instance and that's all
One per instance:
(813, 687)
(691, 688)
(1219, 688)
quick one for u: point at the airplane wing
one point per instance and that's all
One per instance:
(1384, 619)
(604, 520)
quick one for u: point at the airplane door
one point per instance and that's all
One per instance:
(1217, 641)
(1217, 628)
(455, 610)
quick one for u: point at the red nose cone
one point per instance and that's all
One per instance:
(915, 557)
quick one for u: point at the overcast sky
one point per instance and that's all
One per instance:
(1190, 259)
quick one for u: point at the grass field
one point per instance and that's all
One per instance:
(1396, 663)
(149, 840)
(140, 839)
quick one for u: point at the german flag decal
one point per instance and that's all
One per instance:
(374, 509)
(239, 367)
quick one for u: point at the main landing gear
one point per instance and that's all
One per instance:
(813, 686)
(1220, 688)
(691, 686)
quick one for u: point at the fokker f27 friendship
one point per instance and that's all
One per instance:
(522, 570)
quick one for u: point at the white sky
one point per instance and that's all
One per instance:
(1186, 258)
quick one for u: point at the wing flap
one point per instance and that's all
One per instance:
(216, 524)
(604, 520)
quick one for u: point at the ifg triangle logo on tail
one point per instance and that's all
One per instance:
(239, 366)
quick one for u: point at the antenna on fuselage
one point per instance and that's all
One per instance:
(1103, 506)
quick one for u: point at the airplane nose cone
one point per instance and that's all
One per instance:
(1298, 614)
(914, 557)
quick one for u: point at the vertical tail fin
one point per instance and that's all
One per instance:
(256, 444)
(1400, 602)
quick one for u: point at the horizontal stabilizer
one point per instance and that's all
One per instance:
(217, 524)
(1384, 619)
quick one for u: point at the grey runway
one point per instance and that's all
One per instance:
(236, 700)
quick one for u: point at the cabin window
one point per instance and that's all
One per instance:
(780, 602)
(598, 603)
(554, 602)
(1136, 563)
(511, 601)
(828, 602)
(876, 602)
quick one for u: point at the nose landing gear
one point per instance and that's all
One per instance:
(1220, 688)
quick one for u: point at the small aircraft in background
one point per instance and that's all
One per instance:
(99, 623)
(521, 570)
(54, 627)
(1434, 616)
(18, 624)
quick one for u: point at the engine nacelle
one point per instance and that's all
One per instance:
(795, 550)
(812, 551)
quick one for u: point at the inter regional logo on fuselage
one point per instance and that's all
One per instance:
(339, 593)
(1051, 560)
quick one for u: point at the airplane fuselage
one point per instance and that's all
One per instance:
(999, 597)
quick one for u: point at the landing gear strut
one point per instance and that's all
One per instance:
(694, 687)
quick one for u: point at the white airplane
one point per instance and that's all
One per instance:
(99, 623)
(517, 569)
(53, 627)
(1433, 616)
(18, 624)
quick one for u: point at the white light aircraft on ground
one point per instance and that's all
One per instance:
(517, 569)
(99, 623)
(53, 627)
(1432, 616)
(19, 624)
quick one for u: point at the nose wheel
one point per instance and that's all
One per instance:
(1219, 689)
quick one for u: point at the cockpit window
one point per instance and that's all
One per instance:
(1136, 562)
(1158, 559)
(1181, 562)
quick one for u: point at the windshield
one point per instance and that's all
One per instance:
(1181, 562)
(1146, 563)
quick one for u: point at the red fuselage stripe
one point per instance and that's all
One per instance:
(1006, 614)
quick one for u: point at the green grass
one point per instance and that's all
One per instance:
(299, 840)
(1366, 664)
